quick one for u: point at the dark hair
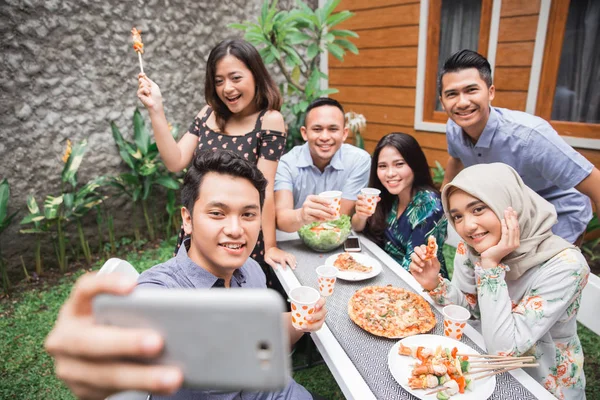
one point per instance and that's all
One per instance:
(321, 102)
(415, 158)
(222, 162)
(465, 59)
(267, 96)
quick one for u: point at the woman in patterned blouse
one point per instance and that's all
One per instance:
(513, 273)
(241, 115)
(410, 209)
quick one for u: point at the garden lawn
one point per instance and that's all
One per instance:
(27, 372)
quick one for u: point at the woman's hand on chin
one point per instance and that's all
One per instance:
(509, 242)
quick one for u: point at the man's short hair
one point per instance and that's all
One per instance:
(465, 59)
(320, 102)
(222, 162)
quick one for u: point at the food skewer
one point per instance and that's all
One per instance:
(496, 372)
(138, 46)
(490, 356)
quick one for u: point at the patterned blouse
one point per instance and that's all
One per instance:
(533, 315)
(256, 144)
(423, 217)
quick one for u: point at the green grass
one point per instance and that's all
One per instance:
(27, 372)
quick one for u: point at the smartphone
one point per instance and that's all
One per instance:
(221, 339)
(352, 244)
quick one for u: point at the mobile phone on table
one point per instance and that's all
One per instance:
(352, 244)
(223, 339)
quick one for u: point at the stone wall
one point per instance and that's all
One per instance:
(68, 69)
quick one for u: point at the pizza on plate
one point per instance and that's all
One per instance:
(390, 312)
(345, 262)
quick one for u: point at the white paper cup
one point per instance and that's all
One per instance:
(336, 200)
(326, 276)
(303, 300)
(371, 195)
(455, 319)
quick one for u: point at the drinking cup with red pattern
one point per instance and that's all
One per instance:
(304, 299)
(371, 195)
(326, 276)
(455, 319)
(336, 200)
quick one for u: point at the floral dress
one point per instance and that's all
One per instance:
(423, 217)
(534, 315)
(256, 144)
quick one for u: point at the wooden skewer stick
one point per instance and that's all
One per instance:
(495, 360)
(501, 362)
(497, 367)
(502, 371)
(436, 390)
(487, 356)
(141, 66)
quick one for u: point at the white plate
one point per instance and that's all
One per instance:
(353, 275)
(401, 367)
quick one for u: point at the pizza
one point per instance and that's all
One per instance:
(390, 312)
(345, 262)
(432, 248)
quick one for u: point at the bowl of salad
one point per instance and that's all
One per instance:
(326, 236)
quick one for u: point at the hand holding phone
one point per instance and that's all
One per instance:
(221, 339)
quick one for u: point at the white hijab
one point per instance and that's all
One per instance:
(499, 186)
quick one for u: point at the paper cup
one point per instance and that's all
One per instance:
(371, 195)
(455, 319)
(326, 276)
(336, 200)
(303, 300)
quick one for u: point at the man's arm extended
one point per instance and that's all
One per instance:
(453, 167)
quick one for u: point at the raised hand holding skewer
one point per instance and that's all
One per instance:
(138, 46)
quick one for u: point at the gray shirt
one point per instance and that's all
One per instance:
(348, 171)
(545, 162)
(181, 272)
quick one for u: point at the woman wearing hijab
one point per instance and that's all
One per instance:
(513, 273)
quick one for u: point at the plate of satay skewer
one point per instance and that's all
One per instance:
(438, 367)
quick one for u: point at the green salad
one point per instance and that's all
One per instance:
(326, 236)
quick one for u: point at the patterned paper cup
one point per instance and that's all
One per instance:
(336, 200)
(303, 300)
(455, 319)
(371, 195)
(326, 277)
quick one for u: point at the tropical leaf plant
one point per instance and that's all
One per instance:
(5, 220)
(438, 174)
(146, 169)
(293, 40)
(70, 206)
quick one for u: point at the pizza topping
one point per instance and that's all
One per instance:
(345, 262)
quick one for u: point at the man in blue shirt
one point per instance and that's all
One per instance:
(323, 163)
(479, 134)
(223, 196)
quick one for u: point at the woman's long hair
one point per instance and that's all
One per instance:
(412, 153)
(267, 94)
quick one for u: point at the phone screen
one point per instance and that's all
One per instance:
(352, 243)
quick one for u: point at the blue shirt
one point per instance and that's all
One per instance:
(181, 272)
(547, 164)
(348, 171)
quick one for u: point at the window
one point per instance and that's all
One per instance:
(452, 25)
(569, 93)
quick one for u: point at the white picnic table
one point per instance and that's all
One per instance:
(350, 381)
